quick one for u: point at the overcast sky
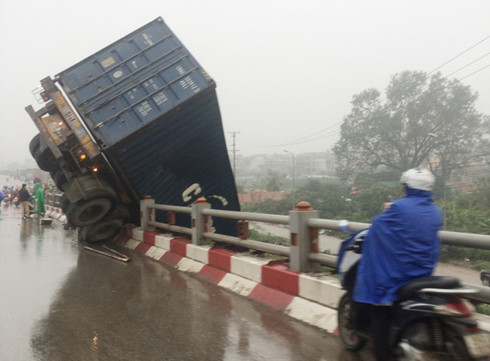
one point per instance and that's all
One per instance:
(286, 70)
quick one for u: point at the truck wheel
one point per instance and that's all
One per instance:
(485, 281)
(58, 178)
(101, 231)
(64, 203)
(87, 212)
(42, 154)
(34, 144)
(45, 160)
(120, 211)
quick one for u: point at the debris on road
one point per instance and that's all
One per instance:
(112, 253)
(46, 221)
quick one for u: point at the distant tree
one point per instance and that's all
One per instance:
(423, 120)
(272, 182)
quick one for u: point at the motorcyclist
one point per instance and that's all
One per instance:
(401, 245)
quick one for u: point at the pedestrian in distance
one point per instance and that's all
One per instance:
(40, 201)
(24, 197)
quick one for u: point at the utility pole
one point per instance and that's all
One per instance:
(292, 188)
(234, 150)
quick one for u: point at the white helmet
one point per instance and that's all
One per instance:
(418, 178)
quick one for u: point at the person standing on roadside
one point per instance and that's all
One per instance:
(24, 201)
(40, 200)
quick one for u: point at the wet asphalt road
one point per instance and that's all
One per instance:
(60, 302)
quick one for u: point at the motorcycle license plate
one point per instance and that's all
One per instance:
(478, 344)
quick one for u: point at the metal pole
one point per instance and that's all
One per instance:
(292, 188)
(200, 223)
(147, 213)
(294, 178)
(301, 237)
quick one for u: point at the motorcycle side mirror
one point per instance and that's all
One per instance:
(344, 226)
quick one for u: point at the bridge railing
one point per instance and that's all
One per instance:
(53, 199)
(304, 224)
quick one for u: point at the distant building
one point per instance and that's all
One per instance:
(260, 196)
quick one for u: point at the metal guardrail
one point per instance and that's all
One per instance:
(53, 199)
(304, 225)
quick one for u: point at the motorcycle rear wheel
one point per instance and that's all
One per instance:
(457, 348)
(454, 348)
(347, 332)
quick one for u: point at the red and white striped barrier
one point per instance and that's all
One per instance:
(309, 298)
(55, 213)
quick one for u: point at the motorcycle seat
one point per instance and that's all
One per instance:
(412, 287)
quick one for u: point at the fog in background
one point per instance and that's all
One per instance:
(285, 70)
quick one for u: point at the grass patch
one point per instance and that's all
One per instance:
(483, 308)
(267, 238)
(480, 266)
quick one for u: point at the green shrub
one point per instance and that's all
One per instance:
(449, 253)
(483, 308)
(267, 238)
(482, 265)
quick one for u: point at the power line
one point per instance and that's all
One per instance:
(318, 136)
(457, 56)
(312, 137)
(467, 65)
(477, 71)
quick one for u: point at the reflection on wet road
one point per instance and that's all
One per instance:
(60, 302)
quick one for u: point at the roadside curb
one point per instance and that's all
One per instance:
(305, 297)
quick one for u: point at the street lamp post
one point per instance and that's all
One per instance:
(292, 190)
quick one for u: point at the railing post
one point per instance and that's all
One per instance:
(147, 214)
(200, 223)
(301, 237)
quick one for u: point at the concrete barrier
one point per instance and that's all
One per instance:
(55, 213)
(311, 298)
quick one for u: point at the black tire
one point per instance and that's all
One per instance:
(457, 350)
(42, 154)
(87, 212)
(99, 200)
(120, 211)
(348, 335)
(46, 160)
(102, 231)
(58, 178)
(64, 203)
(485, 281)
(34, 144)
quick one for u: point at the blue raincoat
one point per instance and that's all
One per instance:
(401, 245)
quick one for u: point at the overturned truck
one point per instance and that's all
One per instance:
(139, 117)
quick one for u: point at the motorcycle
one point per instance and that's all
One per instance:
(431, 319)
(7, 200)
(16, 201)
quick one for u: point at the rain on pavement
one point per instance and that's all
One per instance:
(61, 302)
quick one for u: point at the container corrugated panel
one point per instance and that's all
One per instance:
(181, 159)
(155, 114)
(133, 82)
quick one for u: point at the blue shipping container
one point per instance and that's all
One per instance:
(133, 82)
(154, 113)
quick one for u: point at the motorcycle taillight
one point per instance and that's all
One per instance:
(459, 308)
